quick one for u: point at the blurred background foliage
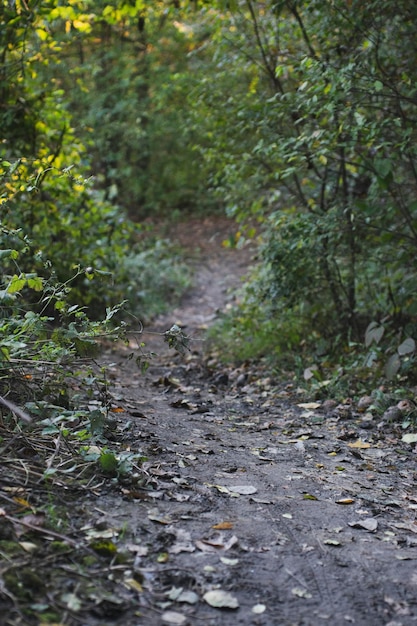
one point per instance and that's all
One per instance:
(297, 118)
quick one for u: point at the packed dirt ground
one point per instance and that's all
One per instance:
(253, 506)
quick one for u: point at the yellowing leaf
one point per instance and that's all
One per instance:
(308, 496)
(131, 583)
(221, 489)
(23, 502)
(345, 501)
(359, 444)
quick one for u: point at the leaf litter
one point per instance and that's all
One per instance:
(315, 518)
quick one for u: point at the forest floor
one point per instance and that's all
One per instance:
(254, 506)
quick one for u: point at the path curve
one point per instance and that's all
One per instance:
(292, 515)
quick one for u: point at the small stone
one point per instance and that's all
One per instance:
(329, 405)
(366, 424)
(241, 380)
(221, 379)
(405, 406)
(364, 403)
(392, 414)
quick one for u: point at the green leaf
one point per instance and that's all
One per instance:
(8, 254)
(16, 284)
(97, 420)
(35, 283)
(108, 463)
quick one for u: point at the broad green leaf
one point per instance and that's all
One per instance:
(35, 283)
(16, 284)
(108, 463)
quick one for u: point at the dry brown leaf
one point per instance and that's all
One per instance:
(223, 526)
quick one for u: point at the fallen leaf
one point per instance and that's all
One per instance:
(216, 543)
(172, 617)
(156, 516)
(243, 490)
(369, 523)
(261, 500)
(107, 533)
(28, 546)
(359, 444)
(332, 542)
(138, 550)
(406, 526)
(71, 601)
(220, 599)
(223, 526)
(131, 583)
(309, 405)
(409, 438)
(345, 501)
(308, 496)
(227, 561)
(174, 593)
(300, 592)
(189, 597)
(183, 541)
(220, 488)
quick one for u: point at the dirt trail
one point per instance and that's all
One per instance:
(294, 515)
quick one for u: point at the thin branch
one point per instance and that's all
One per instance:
(16, 410)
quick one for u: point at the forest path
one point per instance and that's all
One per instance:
(257, 508)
